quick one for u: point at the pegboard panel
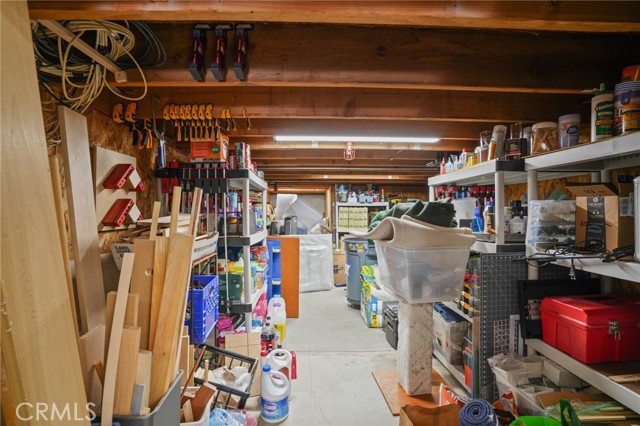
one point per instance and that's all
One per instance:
(498, 301)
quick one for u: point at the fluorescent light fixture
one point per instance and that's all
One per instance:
(371, 139)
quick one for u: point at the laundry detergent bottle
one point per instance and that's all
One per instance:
(277, 310)
(274, 395)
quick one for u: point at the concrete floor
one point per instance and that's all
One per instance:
(336, 355)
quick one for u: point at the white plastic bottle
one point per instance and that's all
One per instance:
(277, 310)
(280, 360)
(602, 114)
(274, 395)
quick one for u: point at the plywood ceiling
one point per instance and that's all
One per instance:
(382, 68)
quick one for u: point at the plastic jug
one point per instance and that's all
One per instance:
(274, 395)
(277, 310)
(280, 360)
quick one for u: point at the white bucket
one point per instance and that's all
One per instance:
(569, 130)
(274, 395)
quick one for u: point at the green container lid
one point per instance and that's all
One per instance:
(535, 421)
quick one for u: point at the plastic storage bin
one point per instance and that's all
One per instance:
(391, 325)
(592, 329)
(551, 223)
(449, 330)
(202, 307)
(166, 412)
(422, 275)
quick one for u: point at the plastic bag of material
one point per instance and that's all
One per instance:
(220, 417)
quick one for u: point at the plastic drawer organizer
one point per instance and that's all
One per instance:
(422, 275)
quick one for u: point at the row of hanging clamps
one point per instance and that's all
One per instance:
(198, 66)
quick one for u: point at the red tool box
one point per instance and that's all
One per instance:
(592, 329)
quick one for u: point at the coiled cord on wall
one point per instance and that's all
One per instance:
(81, 79)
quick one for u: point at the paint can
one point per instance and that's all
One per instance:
(602, 120)
(631, 73)
(241, 159)
(247, 156)
(626, 101)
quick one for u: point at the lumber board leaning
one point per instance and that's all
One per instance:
(142, 284)
(184, 359)
(159, 268)
(54, 169)
(91, 350)
(111, 305)
(155, 216)
(39, 344)
(131, 314)
(111, 369)
(126, 373)
(82, 217)
(168, 330)
(143, 375)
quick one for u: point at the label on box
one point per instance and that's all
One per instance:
(596, 227)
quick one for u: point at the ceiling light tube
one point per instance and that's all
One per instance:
(370, 139)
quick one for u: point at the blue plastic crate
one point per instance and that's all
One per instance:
(202, 307)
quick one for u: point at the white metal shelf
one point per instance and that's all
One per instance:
(454, 307)
(236, 178)
(376, 204)
(624, 270)
(624, 394)
(238, 241)
(350, 230)
(483, 174)
(457, 371)
(613, 153)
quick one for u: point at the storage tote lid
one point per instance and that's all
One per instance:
(593, 310)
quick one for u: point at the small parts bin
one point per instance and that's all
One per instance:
(592, 329)
(391, 325)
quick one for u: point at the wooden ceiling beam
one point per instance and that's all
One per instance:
(573, 16)
(373, 104)
(269, 155)
(407, 58)
(282, 163)
(342, 178)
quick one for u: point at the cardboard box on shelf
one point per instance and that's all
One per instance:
(603, 212)
(339, 260)
(211, 150)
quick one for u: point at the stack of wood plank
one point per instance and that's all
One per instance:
(145, 334)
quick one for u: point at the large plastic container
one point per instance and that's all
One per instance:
(592, 329)
(356, 249)
(422, 275)
(166, 412)
(274, 395)
(277, 310)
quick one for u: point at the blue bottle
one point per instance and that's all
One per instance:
(477, 224)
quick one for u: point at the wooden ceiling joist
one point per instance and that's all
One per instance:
(373, 104)
(587, 16)
(406, 59)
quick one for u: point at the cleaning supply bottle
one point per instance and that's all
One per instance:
(463, 158)
(602, 114)
(280, 360)
(443, 167)
(274, 395)
(489, 214)
(477, 224)
(277, 310)
(449, 166)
